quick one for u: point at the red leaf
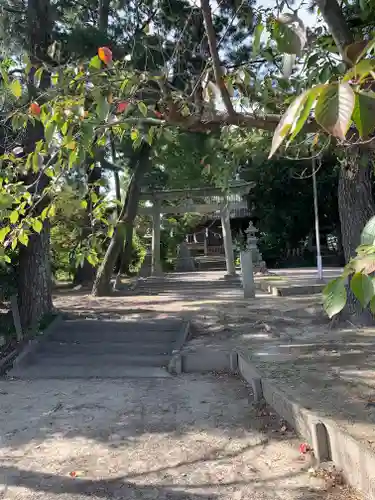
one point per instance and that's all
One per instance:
(304, 448)
(105, 55)
(34, 109)
(122, 106)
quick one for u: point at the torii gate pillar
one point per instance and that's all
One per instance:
(156, 220)
(228, 243)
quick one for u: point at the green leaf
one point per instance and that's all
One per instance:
(16, 88)
(5, 201)
(287, 121)
(370, 47)
(94, 197)
(64, 128)
(92, 259)
(312, 60)
(49, 131)
(3, 232)
(372, 305)
(334, 109)
(256, 41)
(364, 113)
(95, 63)
(142, 108)
(360, 70)
(289, 34)
(38, 76)
(14, 216)
(306, 107)
(23, 238)
(102, 107)
(326, 73)
(363, 288)
(37, 225)
(52, 210)
(84, 204)
(368, 233)
(334, 297)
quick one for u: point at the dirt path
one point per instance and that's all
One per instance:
(187, 438)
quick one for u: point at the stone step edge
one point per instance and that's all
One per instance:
(175, 363)
(330, 441)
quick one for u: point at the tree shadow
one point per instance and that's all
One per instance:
(117, 487)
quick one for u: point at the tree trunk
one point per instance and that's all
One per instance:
(34, 271)
(356, 207)
(103, 15)
(85, 275)
(355, 199)
(102, 284)
(126, 256)
(34, 279)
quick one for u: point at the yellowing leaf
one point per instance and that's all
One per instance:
(134, 134)
(95, 63)
(142, 108)
(3, 232)
(286, 122)
(14, 216)
(334, 109)
(16, 88)
(71, 145)
(23, 238)
(37, 225)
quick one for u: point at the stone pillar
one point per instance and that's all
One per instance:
(247, 274)
(205, 242)
(156, 219)
(228, 243)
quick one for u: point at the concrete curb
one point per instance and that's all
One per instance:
(329, 440)
(175, 364)
(26, 354)
(288, 290)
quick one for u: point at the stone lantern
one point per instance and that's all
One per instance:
(252, 245)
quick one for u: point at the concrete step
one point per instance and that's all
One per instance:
(58, 349)
(42, 371)
(87, 331)
(105, 325)
(90, 359)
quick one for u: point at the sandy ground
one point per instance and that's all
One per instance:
(188, 438)
(331, 371)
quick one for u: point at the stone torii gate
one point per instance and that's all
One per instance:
(211, 200)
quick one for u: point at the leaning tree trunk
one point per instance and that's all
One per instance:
(356, 207)
(102, 283)
(126, 257)
(85, 275)
(34, 279)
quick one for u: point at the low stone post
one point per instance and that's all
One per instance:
(247, 272)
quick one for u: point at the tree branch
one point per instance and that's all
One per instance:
(337, 25)
(210, 31)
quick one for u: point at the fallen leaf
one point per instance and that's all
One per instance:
(76, 473)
